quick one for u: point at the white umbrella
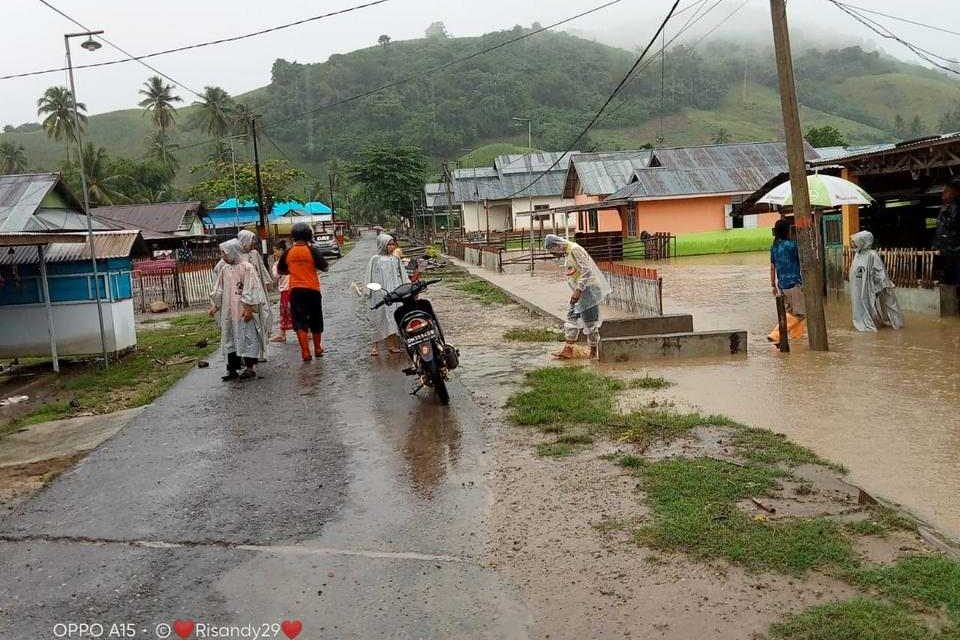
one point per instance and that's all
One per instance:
(825, 191)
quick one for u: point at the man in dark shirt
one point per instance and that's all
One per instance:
(948, 232)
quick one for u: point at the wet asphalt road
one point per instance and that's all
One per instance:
(321, 492)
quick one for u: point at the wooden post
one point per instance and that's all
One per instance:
(784, 344)
(810, 267)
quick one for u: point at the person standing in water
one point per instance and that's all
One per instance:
(589, 289)
(872, 296)
(387, 270)
(301, 262)
(238, 296)
(948, 232)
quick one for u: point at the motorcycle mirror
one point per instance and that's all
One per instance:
(374, 286)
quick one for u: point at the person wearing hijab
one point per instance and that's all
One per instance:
(387, 270)
(248, 245)
(589, 289)
(871, 291)
(238, 295)
(300, 263)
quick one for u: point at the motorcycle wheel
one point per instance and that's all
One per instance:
(438, 383)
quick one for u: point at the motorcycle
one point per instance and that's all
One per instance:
(432, 358)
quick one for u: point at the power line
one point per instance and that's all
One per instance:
(885, 32)
(898, 18)
(419, 74)
(599, 113)
(197, 45)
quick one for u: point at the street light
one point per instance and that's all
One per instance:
(90, 45)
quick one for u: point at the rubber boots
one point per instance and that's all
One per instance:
(303, 337)
(318, 344)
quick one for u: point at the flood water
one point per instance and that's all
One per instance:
(886, 405)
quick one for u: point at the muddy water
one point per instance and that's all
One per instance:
(886, 405)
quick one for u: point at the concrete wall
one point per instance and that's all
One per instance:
(523, 205)
(23, 328)
(943, 300)
(475, 216)
(682, 215)
(607, 219)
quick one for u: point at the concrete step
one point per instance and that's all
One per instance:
(647, 326)
(687, 344)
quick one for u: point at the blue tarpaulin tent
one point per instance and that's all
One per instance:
(230, 213)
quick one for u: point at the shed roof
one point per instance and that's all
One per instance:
(887, 149)
(769, 155)
(662, 182)
(163, 218)
(537, 162)
(21, 197)
(108, 244)
(510, 177)
(603, 173)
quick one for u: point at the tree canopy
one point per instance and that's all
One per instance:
(392, 177)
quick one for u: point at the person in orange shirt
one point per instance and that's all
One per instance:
(301, 262)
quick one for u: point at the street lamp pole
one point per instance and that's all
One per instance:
(90, 45)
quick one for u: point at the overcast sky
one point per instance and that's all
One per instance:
(34, 35)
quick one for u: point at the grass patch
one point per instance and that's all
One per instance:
(694, 508)
(932, 580)
(530, 334)
(728, 241)
(882, 521)
(482, 291)
(555, 449)
(860, 619)
(133, 380)
(649, 382)
(652, 425)
(766, 447)
(565, 395)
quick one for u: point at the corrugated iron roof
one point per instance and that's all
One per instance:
(661, 182)
(108, 244)
(907, 145)
(603, 173)
(769, 155)
(164, 217)
(20, 197)
(537, 162)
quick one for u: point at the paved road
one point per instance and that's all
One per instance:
(321, 492)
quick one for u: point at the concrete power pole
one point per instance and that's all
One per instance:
(810, 266)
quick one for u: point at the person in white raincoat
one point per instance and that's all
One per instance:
(248, 245)
(589, 289)
(388, 271)
(238, 296)
(871, 291)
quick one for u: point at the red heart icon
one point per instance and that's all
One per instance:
(291, 628)
(183, 628)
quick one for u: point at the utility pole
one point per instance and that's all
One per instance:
(810, 268)
(333, 209)
(262, 205)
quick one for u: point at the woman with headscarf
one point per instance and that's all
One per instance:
(589, 289)
(248, 246)
(238, 295)
(871, 290)
(387, 270)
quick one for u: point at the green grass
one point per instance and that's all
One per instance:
(728, 241)
(694, 510)
(859, 619)
(767, 447)
(881, 521)
(647, 426)
(649, 382)
(485, 155)
(482, 291)
(565, 395)
(531, 334)
(932, 580)
(555, 449)
(136, 379)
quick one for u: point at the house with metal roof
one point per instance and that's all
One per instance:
(50, 299)
(163, 225)
(502, 197)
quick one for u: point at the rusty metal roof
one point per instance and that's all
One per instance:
(764, 155)
(661, 182)
(163, 217)
(603, 173)
(108, 244)
(883, 150)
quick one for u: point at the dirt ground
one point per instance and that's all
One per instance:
(561, 528)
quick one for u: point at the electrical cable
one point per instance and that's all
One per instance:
(197, 45)
(606, 103)
(898, 18)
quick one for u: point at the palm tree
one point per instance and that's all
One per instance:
(215, 109)
(240, 117)
(102, 184)
(13, 158)
(159, 103)
(57, 104)
(160, 148)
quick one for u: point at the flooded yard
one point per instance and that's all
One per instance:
(886, 405)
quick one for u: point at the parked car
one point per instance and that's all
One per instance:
(328, 245)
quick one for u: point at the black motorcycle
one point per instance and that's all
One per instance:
(433, 359)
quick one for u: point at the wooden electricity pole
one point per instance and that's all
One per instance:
(810, 267)
(264, 226)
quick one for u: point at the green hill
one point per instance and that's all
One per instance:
(556, 79)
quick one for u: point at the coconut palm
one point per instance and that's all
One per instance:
(240, 117)
(159, 102)
(56, 104)
(102, 184)
(215, 109)
(160, 148)
(13, 158)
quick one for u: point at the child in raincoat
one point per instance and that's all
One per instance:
(248, 246)
(238, 295)
(283, 286)
(872, 294)
(589, 289)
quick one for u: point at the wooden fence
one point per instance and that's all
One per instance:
(910, 268)
(180, 284)
(635, 289)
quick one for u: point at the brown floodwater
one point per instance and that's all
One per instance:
(886, 405)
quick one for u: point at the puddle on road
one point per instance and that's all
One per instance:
(886, 405)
